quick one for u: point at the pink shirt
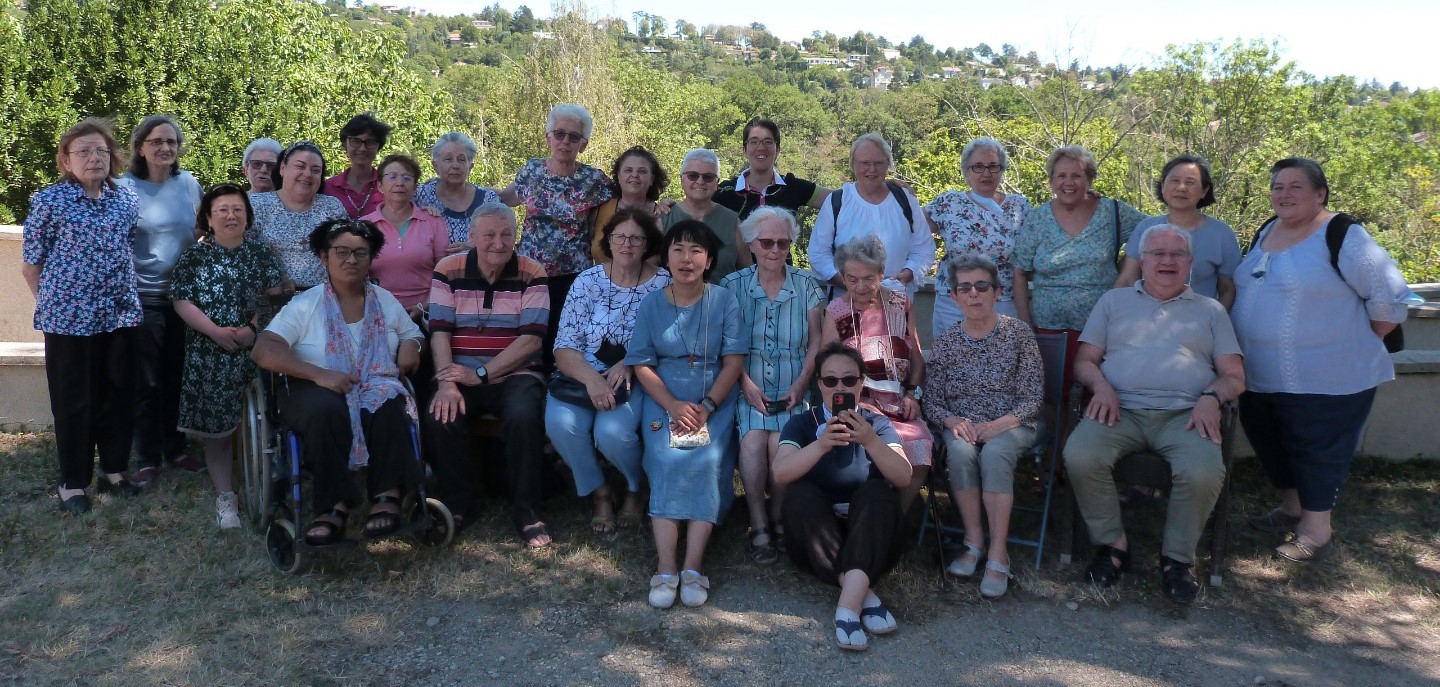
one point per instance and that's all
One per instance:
(406, 264)
(357, 205)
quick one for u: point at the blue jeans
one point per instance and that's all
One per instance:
(576, 432)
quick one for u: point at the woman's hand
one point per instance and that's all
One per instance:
(448, 405)
(796, 394)
(662, 208)
(962, 429)
(242, 336)
(460, 247)
(338, 382)
(860, 429)
(408, 358)
(757, 399)
(909, 408)
(601, 395)
(431, 210)
(416, 312)
(836, 434)
(619, 377)
(224, 337)
(687, 418)
(989, 430)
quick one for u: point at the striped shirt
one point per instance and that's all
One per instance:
(484, 318)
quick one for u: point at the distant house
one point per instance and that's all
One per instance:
(856, 58)
(453, 38)
(652, 50)
(988, 82)
(951, 72)
(482, 24)
(818, 61)
(890, 54)
(710, 37)
(679, 36)
(1020, 82)
(543, 35)
(881, 78)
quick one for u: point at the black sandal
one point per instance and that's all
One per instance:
(1176, 580)
(763, 554)
(382, 523)
(334, 532)
(1102, 569)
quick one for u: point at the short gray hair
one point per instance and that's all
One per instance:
(260, 144)
(495, 209)
(1165, 229)
(984, 143)
(875, 138)
(966, 262)
(574, 113)
(703, 155)
(453, 137)
(867, 250)
(750, 228)
(1077, 153)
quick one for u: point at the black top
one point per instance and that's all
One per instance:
(841, 471)
(794, 194)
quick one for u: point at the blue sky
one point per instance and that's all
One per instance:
(1388, 40)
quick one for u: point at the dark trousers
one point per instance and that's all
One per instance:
(1306, 442)
(518, 401)
(559, 289)
(322, 420)
(92, 399)
(870, 539)
(158, 354)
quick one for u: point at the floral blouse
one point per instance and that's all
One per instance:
(984, 379)
(557, 215)
(458, 222)
(1071, 273)
(967, 226)
(85, 249)
(597, 311)
(288, 233)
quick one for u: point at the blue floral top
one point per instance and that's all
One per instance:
(1071, 273)
(85, 249)
(557, 215)
(457, 222)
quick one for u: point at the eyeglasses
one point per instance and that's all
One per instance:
(768, 244)
(700, 176)
(881, 164)
(260, 165)
(848, 380)
(91, 152)
(402, 178)
(162, 142)
(344, 254)
(1168, 254)
(366, 143)
(985, 169)
(623, 240)
(981, 286)
(571, 136)
(760, 143)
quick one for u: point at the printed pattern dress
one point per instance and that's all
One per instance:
(225, 283)
(779, 338)
(970, 227)
(557, 215)
(457, 222)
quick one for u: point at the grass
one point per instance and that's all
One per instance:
(149, 592)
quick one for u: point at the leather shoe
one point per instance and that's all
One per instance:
(76, 505)
(124, 487)
(1177, 581)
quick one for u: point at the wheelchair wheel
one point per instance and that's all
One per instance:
(283, 545)
(255, 451)
(442, 524)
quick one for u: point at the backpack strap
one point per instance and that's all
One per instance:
(1115, 207)
(1255, 240)
(899, 192)
(1335, 233)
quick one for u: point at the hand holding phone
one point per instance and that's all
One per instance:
(777, 407)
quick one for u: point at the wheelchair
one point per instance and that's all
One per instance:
(273, 475)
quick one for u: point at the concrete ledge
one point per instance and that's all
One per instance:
(25, 405)
(22, 353)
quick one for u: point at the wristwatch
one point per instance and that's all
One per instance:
(915, 392)
(483, 374)
(707, 404)
(1212, 394)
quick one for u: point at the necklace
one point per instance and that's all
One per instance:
(705, 337)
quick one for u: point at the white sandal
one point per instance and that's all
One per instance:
(991, 589)
(958, 568)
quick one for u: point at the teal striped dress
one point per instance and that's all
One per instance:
(779, 336)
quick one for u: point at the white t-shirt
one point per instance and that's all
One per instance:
(301, 323)
(858, 217)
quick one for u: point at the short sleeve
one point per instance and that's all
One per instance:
(576, 312)
(1097, 324)
(272, 275)
(822, 242)
(39, 231)
(294, 320)
(641, 350)
(1132, 246)
(183, 278)
(1129, 219)
(396, 318)
(1223, 332)
(736, 335)
(1027, 240)
(814, 294)
(1374, 276)
(799, 431)
(885, 429)
(1229, 249)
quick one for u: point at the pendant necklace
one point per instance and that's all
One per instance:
(689, 350)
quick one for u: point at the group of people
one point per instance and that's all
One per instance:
(676, 342)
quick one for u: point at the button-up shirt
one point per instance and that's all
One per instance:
(85, 249)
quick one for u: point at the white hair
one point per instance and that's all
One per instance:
(867, 250)
(703, 155)
(574, 113)
(1165, 229)
(259, 144)
(984, 143)
(453, 137)
(875, 138)
(750, 228)
(495, 209)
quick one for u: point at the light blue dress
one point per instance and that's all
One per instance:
(779, 337)
(689, 483)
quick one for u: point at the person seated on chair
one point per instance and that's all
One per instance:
(843, 472)
(1159, 360)
(489, 310)
(343, 348)
(984, 389)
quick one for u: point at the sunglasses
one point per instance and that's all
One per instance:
(979, 286)
(571, 136)
(831, 382)
(700, 176)
(769, 244)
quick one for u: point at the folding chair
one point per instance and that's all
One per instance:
(1048, 444)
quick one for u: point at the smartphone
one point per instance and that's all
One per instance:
(840, 402)
(776, 407)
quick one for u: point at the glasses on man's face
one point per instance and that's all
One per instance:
(701, 176)
(344, 253)
(1168, 254)
(402, 178)
(162, 143)
(366, 143)
(85, 153)
(981, 286)
(759, 143)
(563, 135)
(985, 169)
(848, 380)
(770, 244)
(624, 240)
(260, 165)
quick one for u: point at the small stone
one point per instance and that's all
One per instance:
(1072, 605)
(432, 621)
(1260, 680)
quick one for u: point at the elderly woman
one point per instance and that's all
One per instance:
(1065, 253)
(841, 468)
(79, 264)
(636, 181)
(1185, 187)
(874, 205)
(343, 347)
(761, 185)
(687, 351)
(1315, 295)
(877, 322)
(450, 192)
(983, 220)
(782, 307)
(699, 173)
(214, 288)
(593, 402)
(169, 199)
(258, 164)
(358, 187)
(285, 217)
(984, 389)
(417, 239)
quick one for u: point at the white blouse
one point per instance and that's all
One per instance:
(905, 246)
(301, 323)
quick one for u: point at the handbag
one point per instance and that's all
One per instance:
(568, 390)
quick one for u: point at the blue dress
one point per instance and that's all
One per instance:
(689, 483)
(779, 339)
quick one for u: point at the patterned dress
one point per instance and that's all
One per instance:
(557, 215)
(880, 335)
(1070, 273)
(458, 222)
(287, 233)
(225, 284)
(968, 226)
(779, 338)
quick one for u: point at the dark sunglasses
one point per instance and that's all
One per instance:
(570, 136)
(980, 286)
(700, 176)
(848, 380)
(768, 244)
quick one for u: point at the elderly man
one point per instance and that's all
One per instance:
(259, 162)
(488, 313)
(1159, 360)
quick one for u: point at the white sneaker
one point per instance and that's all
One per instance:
(227, 510)
(662, 590)
(692, 588)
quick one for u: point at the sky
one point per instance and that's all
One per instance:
(1387, 40)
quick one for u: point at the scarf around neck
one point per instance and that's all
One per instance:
(369, 359)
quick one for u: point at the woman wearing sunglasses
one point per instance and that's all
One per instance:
(842, 469)
(984, 388)
(699, 174)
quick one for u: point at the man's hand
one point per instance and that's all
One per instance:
(1104, 405)
(1206, 418)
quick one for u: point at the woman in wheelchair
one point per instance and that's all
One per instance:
(342, 349)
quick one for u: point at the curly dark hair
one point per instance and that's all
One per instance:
(324, 235)
(659, 180)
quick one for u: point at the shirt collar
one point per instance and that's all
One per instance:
(78, 192)
(740, 180)
(1187, 294)
(784, 294)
